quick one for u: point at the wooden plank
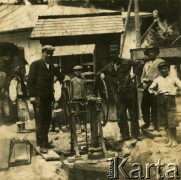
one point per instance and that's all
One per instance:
(12, 157)
(50, 156)
(4, 153)
(21, 153)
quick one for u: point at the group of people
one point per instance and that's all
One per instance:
(158, 100)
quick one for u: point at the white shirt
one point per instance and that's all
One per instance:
(166, 86)
(150, 70)
(48, 65)
(57, 90)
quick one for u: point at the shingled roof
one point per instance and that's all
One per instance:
(165, 52)
(21, 17)
(73, 26)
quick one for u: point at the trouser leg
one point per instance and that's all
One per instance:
(13, 113)
(154, 114)
(122, 122)
(145, 106)
(53, 123)
(46, 112)
(133, 112)
(38, 123)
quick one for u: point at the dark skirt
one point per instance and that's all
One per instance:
(167, 113)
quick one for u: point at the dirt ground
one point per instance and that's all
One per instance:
(39, 169)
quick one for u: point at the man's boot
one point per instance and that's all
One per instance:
(18, 128)
(23, 129)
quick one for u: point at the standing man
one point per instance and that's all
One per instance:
(40, 84)
(123, 84)
(149, 101)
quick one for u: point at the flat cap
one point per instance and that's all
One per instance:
(163, 64)
(114, 47)
(48, 48)
(77, 68)
(152, 48)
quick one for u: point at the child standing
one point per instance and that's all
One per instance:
(18, 96)
(165, 87)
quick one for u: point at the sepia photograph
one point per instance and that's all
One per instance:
(90, 89)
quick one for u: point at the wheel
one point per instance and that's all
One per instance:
(103, 93)
(104, 112)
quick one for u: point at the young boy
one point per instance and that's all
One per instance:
(78, 95)
(165, 87)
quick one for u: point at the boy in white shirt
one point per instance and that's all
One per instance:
(165, 87)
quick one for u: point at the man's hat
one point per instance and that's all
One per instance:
(77, 68)
(114, 47)
(152, 48)
(48, 48)
(163, 64)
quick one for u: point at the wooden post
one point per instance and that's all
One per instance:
(137, 24)
(138, 45)
(125, 27)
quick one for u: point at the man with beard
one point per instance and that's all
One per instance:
(40, 84)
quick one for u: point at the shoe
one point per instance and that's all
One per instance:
(124, 138)
(43, 150)
(151, 127)
(83, 130)
(52, 130)
(18, 128)
(133, 141)
(140, 137)
(145, 126)
(57, 129)
(50, 146)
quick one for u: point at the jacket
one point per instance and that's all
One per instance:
(41, 80)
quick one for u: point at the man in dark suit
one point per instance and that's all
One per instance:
(40, 84)
(122, 89)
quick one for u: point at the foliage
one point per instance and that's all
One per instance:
(163, 37)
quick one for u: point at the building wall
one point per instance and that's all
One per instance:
(32, 48)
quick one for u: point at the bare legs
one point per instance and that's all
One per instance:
(171, 133)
